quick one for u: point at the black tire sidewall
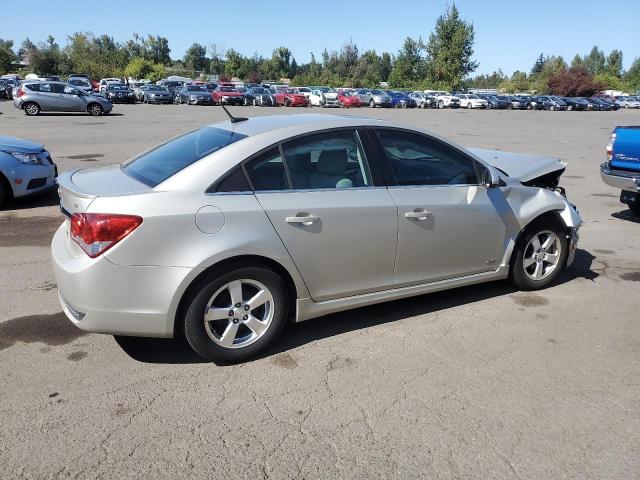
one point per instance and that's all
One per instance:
(194, 329)
(517, 274)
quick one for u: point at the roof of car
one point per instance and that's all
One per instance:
(292, 123)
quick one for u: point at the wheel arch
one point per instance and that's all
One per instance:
(552, 216)
(5, 181)
(227, 263)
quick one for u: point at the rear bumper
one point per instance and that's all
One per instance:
(102, 297)
(620, 179)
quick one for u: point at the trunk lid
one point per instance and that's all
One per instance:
(524, 167)
(78, 188)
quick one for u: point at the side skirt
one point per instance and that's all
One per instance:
(307, 309)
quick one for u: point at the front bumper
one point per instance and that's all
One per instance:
(160, 99)
(620, 179)
(201, 101)
(100, 296)
(573, 246)
(27, 179)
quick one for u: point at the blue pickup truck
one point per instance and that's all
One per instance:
(622, 169)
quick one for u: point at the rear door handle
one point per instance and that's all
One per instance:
(303, 219)
(418, 214)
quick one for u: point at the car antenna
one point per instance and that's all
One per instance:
(231, 117)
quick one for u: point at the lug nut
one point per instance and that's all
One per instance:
(231, 313)
(235, 320)
(246, 307)
(245, 317)
(237, 305)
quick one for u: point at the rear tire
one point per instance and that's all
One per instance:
(32, 109)
(221, 339)
(539, 256)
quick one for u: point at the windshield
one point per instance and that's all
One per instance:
(377, 92)
(117, 86)
(259, 90)
(158, 164)
(196, 88)
(304, 89)
(78, 83)
(324, 89)
(227, 89)
(157, 88)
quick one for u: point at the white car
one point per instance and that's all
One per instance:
(306, 91)
(469, 100)
(324, 97)
(444, 99)
(107, 81)
(628, 102)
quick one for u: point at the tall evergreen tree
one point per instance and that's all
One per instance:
(450, 50)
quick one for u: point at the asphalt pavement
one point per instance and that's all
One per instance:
(479, 382)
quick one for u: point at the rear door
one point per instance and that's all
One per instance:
(448, 225)
(339, 227)
(46, 97)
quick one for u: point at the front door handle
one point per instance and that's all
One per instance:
(418, 214)
(303, 219)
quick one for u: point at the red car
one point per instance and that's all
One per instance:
(348, 99)
(289, 98)
(227, 95)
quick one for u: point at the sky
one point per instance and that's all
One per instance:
(509, 34)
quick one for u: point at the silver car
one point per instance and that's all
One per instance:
(227, 232)
(26, 168)
(34, 97)
(374, 98)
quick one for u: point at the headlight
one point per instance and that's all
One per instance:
(192, 97)
(32, 158)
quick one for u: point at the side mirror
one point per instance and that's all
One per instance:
(489, 177)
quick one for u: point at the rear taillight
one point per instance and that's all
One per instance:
(21, 92)
(98, 232)
(612, 140)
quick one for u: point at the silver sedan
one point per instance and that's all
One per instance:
(227, 232)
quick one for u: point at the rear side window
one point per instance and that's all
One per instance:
(419, 160)
(164, 161)
(267, 172)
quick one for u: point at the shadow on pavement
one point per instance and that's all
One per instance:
(295, 335)
(45, 199)
(627, 215)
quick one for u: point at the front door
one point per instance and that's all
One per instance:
(448, 224)
(340, 229)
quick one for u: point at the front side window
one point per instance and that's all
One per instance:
(418, 160)
(327, 160)
(155, 166)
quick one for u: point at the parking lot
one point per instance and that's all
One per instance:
(480, 382)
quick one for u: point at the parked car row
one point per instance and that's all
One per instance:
(81, 93)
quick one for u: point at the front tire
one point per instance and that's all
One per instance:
(539, 256)
(235, 313)
(95, 110)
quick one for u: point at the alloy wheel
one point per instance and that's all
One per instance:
(542, 255)
(239, 313)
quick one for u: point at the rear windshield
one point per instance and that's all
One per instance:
(164, 161)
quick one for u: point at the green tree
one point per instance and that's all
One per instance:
(450, 50)
(139, 68)
(234, 63)
(195, 58)
(7, 55)
(632, 76)
(538, 65)
(613, 63)
(594, 62)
